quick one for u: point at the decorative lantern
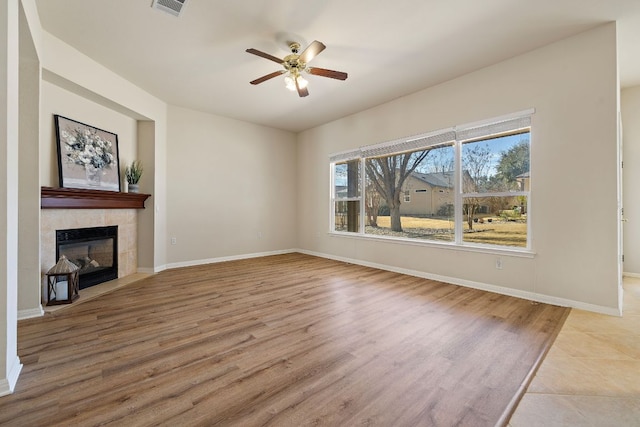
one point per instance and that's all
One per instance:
(63, 282)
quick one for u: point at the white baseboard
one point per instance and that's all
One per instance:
(7, 385)
(152, 270)
(532, 296)
(228, 258)
(628, 274)
(211, 261)
(31, 313)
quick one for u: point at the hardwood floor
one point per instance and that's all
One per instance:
(286, 340)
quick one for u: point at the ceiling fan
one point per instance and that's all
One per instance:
(294, 64)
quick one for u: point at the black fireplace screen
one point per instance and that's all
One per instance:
(94, 250)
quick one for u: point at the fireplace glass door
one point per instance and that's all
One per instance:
(93, 250)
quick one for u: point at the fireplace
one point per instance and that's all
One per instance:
(94, 250)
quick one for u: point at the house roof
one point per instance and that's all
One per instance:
(436, 179)
(389, 49)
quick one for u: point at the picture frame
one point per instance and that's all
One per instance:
(87, 156)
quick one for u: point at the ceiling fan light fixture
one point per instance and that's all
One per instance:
(291, 78)
(290, 83)
(302, 82)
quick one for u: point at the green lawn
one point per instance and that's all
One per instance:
(497, 232)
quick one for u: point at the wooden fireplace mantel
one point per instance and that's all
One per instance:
(76, 198)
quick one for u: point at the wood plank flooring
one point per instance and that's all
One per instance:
(287, 340)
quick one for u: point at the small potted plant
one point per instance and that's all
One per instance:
(132, 175)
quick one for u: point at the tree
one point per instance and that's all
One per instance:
(440, 161)
(388, 174)
(476, 160)
(371, 205)
(514, 162)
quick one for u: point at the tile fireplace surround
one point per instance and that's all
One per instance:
(61, 219)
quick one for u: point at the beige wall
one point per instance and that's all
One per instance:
(10, 365)
(29, 177)
(572, 85)
(631, 178)
(232, 187)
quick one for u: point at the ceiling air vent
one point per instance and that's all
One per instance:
(173, 7)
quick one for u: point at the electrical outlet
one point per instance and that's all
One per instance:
(174, 240)
(499, 263)
(259, 234)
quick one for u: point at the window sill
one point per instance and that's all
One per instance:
(485, 249)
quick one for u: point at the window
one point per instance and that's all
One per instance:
(493, 204)
(427, 168)
(346, 190)
(471, 186)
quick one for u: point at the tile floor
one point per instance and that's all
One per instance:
(591, 375)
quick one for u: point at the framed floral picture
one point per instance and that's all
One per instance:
(87, 156)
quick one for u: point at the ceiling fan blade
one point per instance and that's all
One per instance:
(302, 91)
(311, 51)
(267, 77)
(338, 75)
(265, 55)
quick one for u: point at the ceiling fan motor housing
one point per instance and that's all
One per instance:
(292, 62)
(295, 47)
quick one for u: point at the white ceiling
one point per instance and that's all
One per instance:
(389, 48)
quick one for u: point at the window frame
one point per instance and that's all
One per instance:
(512, 124)
(335, 199)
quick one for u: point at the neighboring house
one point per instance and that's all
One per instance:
(432, 194)
(427, 193)
(523, 181)
(341, 191)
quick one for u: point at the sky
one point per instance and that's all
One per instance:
(443, 157)
(502, 145)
